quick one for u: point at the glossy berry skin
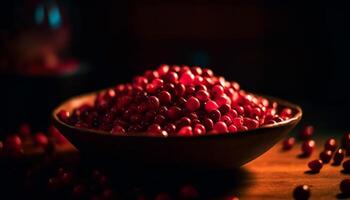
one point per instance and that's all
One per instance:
(186, 131)
(13, 143)
(41, 139)
(315, 165)
(326, 156)
(306, 132)
(331, 144)
(338, 156)
(345, 187)
(211, 106)
(346, 166)
(63, 115)
(288, 143)
(192, 104)
(302, 192)
(308, 147)
(220, 127)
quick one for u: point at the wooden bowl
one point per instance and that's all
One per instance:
(221, 151)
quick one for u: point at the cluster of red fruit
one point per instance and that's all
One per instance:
(331, 150)
(14, 143)
(174, 100)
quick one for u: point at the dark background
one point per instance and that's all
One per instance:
(289, 49)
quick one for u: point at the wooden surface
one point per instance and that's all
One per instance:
(273, 175)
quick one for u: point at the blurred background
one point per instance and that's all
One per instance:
(51, 50)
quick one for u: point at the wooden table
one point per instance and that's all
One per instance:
(273, 175)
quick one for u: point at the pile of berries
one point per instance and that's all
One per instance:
(174, 100)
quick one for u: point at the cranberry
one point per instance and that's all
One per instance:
(302, 192)
(288, 143)
(170, 128)
(306, 132)
(187, 78)
(226, 109)
(164, 97)
(189, 192)
(171, 77)
(326, 156)
(345, 187)
(118, 130)
(338, 157)
(232, 128)
(153, 103)
(286, 113)
(174, 112)
(13, 143)
(315, 165)
(250, 123)
(192, 104)
(346, 166)
(24, 130)
(308, 147)
(185, 131)
(208, 123)
(211, 106)
(41, 139)
(215, 115)
(217, 90)
(199, 129)
(331, 144)
(202, 95)
(63, 115)
(238, 122)
(220, 127)
(207, 72)
(226, 119)
(163, 69)
(180, 89)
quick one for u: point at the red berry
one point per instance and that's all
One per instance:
(153, 103)
(338, 157)
(306, 132)
(174, 112)
(208, 123)
(315, 165)
(211, 106)
(185, 131)
(250, 123)
(345, 187)
(118, 130)
(199, 129)
(226, 119)
(232, 128)
(170, 128)
(217, 90)
(63, 115)
(202, 95)
(187, 78)
(326, 156)
(302, 192)
(163, 69)
(164, 97)
(288, 143)
(308, 147)
(192, 104)
(171, 77)
(13, 143)
(220, 127)
(41, 139)
(331, 144)
(24, 130)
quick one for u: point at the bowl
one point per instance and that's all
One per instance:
(219, 151)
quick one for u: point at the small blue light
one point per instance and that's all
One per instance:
(200, 58)
(55, 17)
(39, 14)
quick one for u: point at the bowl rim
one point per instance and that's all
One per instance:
(57, 122)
